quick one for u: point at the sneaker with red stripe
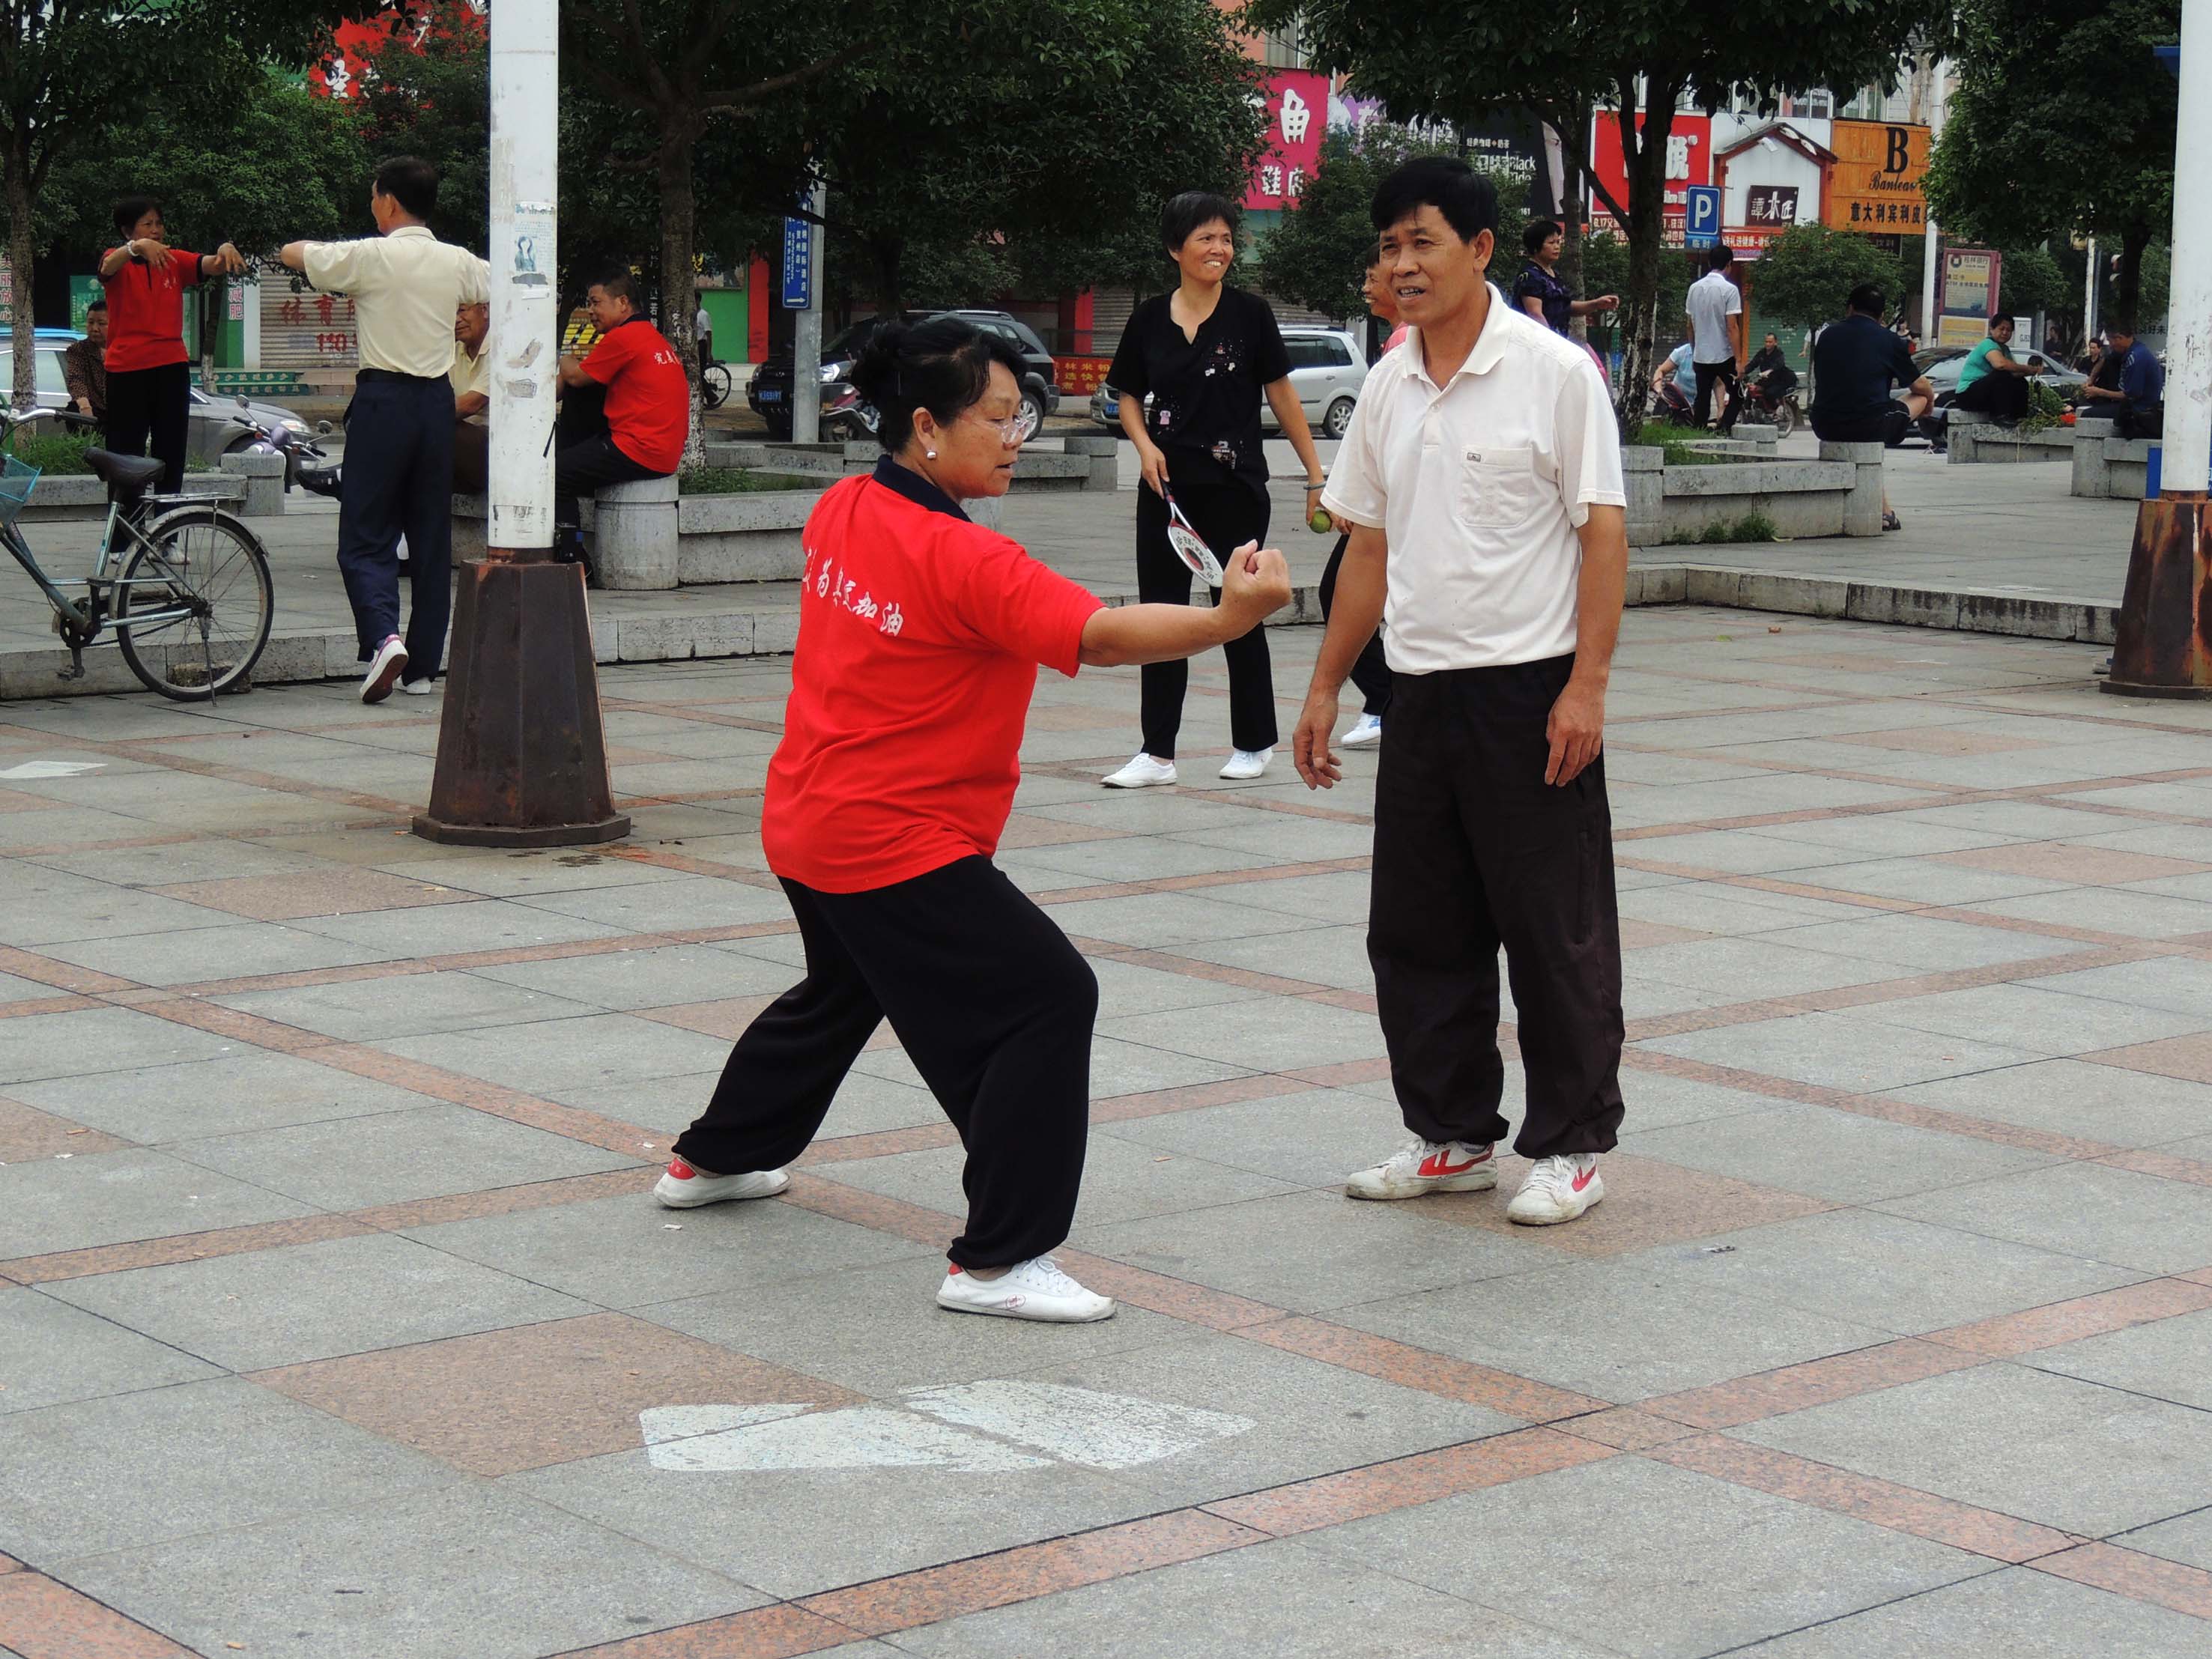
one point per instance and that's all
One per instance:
(1558, 1189)
(1421, 1167)
(683, 1188)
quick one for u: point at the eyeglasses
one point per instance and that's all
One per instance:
(1017, 427)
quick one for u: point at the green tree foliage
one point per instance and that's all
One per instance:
(1443, 58)
(1809, 271)
(68, 67)
(1605, 271)
(2062, 121)
(1318, 255)
(425, 90)
(1036, 136)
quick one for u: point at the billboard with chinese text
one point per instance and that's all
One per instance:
(1689, 161)
(1298, 116)
(1875, 186)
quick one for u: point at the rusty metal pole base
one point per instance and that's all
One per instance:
(2163, 645)
(522, 755)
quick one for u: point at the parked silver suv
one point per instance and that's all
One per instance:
(1326, 367)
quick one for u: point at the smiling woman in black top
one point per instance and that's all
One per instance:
(1207, 353)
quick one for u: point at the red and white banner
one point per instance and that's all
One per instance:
(1298, 116)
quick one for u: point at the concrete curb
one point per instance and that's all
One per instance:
(770, 630)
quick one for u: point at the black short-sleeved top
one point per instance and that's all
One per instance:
(1206, 392)
(1545, 287)
(1855, 363)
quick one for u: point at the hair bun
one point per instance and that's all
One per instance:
(875, 372)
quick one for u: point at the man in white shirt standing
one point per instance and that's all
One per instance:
(702, 326)
(407, 287)
(1482, 476)
(1715, 309)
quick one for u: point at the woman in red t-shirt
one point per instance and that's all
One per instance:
(920, 636)
(148, 383)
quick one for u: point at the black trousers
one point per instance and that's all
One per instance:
(154, 404)
(993, 1007)
(1473, 850)
(1227, 514)
(1371, 673)
(1709, 375)
(2002, 396)
(584, 467)
(398, 477)
(2131, 423)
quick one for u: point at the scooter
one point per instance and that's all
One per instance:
(1760, 401)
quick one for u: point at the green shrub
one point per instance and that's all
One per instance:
(1676, 441)
(56, 455)
(738, 481)
(1753, 526)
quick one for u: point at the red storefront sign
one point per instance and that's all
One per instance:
(1689, 161)
(1297, 115)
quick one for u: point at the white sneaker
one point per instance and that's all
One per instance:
(1247, 762)
(1558, 1189)
(417, 688)
(384, 667)
(1428, 1166)
(1036, 1289)
(683, 1188)
(1366, 732)
(1141, 772)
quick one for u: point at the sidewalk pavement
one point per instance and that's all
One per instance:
(1998, 530)
(335, 1321)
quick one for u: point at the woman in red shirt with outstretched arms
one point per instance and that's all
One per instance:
(149, 381)
(919, 636)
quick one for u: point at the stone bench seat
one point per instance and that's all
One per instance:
(1838, 495)
(1972, 437)
(2106, 468)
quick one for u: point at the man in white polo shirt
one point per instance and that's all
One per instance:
(1482, 476)
(1714, 306)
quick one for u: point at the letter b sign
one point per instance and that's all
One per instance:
(1900, 153)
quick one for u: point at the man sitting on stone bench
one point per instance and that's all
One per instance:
(645, 416)
(2135, 398)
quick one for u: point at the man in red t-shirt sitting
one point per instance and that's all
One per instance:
(648, 409)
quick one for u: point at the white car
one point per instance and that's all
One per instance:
(1326, 367)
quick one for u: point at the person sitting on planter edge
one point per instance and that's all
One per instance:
(646, 415)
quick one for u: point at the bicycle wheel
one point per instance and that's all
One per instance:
(212, 566)
(714, 386)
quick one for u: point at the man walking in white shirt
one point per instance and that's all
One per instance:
(1482, 476)
(407, 287)
(1715, 309)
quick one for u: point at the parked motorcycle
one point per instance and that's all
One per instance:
(1760, 402)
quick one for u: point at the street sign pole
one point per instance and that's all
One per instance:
(2164, 643)
(1701, 217)
(522, 754)
(802, 292)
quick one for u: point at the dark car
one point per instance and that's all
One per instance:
(770, 390)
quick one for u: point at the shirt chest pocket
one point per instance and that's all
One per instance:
(1497, 487)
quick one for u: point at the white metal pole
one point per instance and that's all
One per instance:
(2188, 458)
(806, 337)
(1937, 107)
(2089, 286)
(525, 328)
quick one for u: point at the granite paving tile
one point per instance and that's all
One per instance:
(52, 1354)
(367, 1010)
(2014, 1610)
(275, 1307)
(2076, 1455)
(2131, 1220)
(463, 1571)
(72, 1203)
(1649, 1560)
(2170, 1360)
(194, 1458)
(234, 1092)
(2075, 1097)
(1840, 1051)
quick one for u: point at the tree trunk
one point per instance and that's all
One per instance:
(22, 250)
(1573, 141)
(890, 295)
(679, 294)
(1646, 158)
(2127, 281)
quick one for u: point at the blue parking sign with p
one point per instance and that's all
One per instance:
(1702, 224)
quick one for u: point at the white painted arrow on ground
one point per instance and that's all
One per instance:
(52, 768)
(986, 1427)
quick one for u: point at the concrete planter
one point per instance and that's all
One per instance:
(86, 497)
(2106, 469)
(1838, 495)
(649, 536)
(1082, 462)
(1972, 440)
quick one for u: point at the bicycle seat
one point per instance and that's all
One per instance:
(125, 476)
